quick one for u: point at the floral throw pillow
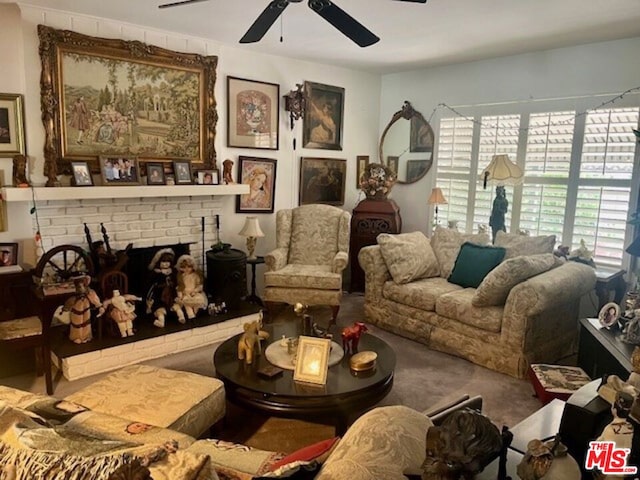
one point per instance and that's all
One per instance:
(408, 256)
(496, 286)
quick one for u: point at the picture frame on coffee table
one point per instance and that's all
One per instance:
(312, 360)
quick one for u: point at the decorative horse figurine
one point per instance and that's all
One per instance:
(351, 336)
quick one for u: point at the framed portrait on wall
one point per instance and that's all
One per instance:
(260, 175)
(11, 125)
(253, 116)
(8, 254)
(323, 116)
(322, 180)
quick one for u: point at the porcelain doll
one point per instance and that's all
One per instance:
(190, 295)
(122, 311)
(162, 292)
(79, 307)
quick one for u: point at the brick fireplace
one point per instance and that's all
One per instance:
(144, 222)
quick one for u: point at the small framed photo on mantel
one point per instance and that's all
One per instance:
(81, 175)
(155, 174)
(119, 171)
(182, 172)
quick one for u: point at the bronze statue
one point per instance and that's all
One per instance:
(462, 446)
(499, 210)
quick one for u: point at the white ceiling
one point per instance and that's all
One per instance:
(412, 35)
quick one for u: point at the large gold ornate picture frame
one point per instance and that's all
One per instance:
(125, 98)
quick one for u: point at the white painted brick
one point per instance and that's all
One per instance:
(44, 222)
(123, 236)
(96, 201)
(146, 225)
(182, 335)
(78, 211)
(150, 342)
(117, 227)
(164, 224)
(189, 222)
(192, 342)
(118, 350)
(139, 243)
(153, 234)
(193, 213)
(154, 216)
(73, 373)
(47, 242)
(104, 209)
(179, 231)
(84, 358)
(138, 208)
(165, 207)
(175, 214)
(170, 240)
(55, 231)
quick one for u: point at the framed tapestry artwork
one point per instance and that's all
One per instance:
(361, 164)
(155, 173)
(182, 172)
(322, 180)
(312, 360)
(207, 177)
(260, 175)
(253, 116)
(119, 171)
(11, 125)
(8, 255)
(81, 174)
(323, 116)
(117, 98)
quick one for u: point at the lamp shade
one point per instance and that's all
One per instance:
(251, 228)
(502, 171)
(436, 197)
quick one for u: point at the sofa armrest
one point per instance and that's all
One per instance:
(552, 289)
(276, 259)
(375, 272)
(545, 306)
(339, 262)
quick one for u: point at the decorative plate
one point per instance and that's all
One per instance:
(609, 314)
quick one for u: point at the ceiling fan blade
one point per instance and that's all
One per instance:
(182, 2)
(264, 21)
(414, 1)
(344, 22)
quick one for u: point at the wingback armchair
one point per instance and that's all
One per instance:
(312, 250)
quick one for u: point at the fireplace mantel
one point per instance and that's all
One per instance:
(13, 194)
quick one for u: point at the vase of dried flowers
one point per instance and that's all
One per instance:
(377, 181)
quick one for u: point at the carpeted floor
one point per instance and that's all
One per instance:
(423, 378)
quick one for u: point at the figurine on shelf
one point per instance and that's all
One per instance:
(162, 292)
(20, 171)
(190, 297)
(351, 336)
(122, 311)
(79, 306)
(249, 343)
(547, 460)
(227, 166)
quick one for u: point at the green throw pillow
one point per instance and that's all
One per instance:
(474, 262)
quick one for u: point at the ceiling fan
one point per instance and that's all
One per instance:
(328, 10)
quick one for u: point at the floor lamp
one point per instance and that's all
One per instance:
(500, 172)
(436, 198)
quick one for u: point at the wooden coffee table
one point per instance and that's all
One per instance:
(345, 396)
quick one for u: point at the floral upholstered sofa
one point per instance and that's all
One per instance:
(524, 311)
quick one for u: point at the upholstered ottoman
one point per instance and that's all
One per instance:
(182, 401)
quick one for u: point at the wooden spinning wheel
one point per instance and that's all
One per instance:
(62, 263)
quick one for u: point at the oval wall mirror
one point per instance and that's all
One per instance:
(406, 145)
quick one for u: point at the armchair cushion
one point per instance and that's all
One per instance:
(496, 286)
(523, 245)
(304, 276)
(315, 234)
(276, 259)
(446, 245)
(408, 256)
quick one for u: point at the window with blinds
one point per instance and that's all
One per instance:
(600, 188)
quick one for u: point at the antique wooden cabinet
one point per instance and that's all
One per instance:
(370, 218)
(15, 295)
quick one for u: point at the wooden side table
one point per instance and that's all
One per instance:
(610, 280)
(253, 298)
(601, 351)
(370, 218)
